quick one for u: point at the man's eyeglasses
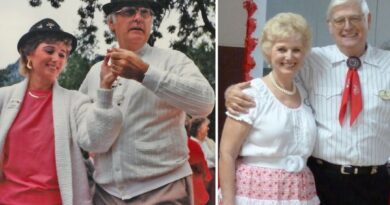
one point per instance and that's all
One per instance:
(132, 11)
(340, 22)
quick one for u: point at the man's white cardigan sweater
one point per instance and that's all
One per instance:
(77, 123)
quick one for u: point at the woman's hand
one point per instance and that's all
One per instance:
(107, 77)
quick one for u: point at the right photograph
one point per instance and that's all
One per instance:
(304, 102)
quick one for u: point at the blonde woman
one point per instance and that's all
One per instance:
(263, 153)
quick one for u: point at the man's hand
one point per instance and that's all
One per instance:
(237, 101)
(107, 77)
(127, 64)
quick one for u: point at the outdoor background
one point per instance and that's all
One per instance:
(188, 26)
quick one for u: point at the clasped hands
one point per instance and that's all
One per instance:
(124, 63)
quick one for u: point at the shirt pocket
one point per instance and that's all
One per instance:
(325, 102)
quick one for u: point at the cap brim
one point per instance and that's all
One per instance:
(23, 40)
(111, 7)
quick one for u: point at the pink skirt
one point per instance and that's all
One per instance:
(265, 186)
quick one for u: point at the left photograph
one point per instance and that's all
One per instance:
(108, 102)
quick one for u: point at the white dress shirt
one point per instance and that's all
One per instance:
(151, 150)
(367, 142)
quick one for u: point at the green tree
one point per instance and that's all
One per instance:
(201, 56)
(3, 77)
(75, 71)
(195, 22)
(10, 75)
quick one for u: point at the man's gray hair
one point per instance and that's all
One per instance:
(334, 3)
(111, 17)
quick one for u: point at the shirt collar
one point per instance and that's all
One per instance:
(140, 51)
(370, 57)
(367, 58)
(143, 50)
(196, 139)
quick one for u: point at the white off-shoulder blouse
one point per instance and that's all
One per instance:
(280, 137)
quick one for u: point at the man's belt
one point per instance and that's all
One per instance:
(347, 169)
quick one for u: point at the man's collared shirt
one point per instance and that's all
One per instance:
(367, 141)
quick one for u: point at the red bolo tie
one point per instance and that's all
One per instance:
(352, 92)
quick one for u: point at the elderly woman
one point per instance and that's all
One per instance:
(199, 133)
(200, 173)
(42, 124)
(274, 139)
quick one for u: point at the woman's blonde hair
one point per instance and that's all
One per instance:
(283, 26)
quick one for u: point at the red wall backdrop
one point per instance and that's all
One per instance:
(230, 60)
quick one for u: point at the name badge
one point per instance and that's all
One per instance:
(384, 94)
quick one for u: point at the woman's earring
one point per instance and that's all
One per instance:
(29, 64)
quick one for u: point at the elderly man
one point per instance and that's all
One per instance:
(348, 85)
(148, 162)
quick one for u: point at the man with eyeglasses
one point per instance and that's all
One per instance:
(148, 162)
(348, 86)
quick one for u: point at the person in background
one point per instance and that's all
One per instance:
(263, 153)
(348, 85)
(199, 133)
(43, 126)
(148, 162)
(200, 173)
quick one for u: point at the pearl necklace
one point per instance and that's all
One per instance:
(287, 92)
